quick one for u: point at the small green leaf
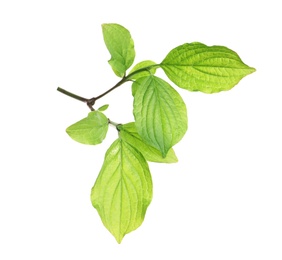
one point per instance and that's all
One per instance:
(121, 47)
(198, 67)
(128, 133)
(160, 113)
(151, 69)
(89, 130)
(103, 108)
(123, 189)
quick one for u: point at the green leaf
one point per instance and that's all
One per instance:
(128, 133)
(151, 69)
(121, 47)
(123, 190)
(198, 67)
(160, 113)
(89, 130)
(103, 108)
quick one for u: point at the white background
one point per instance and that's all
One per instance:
(221, 201)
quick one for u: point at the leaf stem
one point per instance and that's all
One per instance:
(143, 69)
(113, 123)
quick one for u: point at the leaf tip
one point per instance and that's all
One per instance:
(164, 153)
(103, 25)
(119, 238)
(67, 130)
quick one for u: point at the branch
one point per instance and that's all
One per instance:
(124, 79)
(72, 95)
(90, 102)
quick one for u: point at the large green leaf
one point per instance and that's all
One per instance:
(129, 134)
(89, 130)
(198, 67)
(123, 190)
(121, 47)
(149, 67)
(160, 113)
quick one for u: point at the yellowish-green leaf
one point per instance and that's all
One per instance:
(89, 130)
(146, 68)
(121, 47)
(123, 189)
(129, 134)
(160, 113)
(209, 69)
